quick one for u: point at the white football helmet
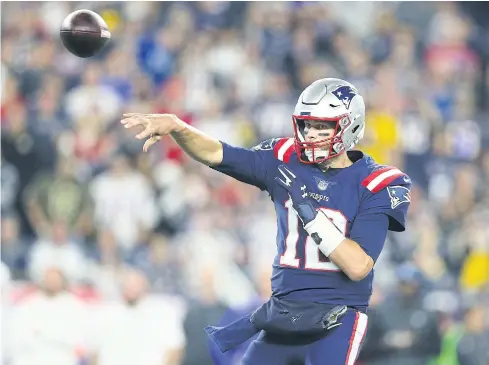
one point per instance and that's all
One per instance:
(331, 101)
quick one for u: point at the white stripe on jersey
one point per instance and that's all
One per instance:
(373, 184)
(284, 148)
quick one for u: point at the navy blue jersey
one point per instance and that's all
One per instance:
(364, 201)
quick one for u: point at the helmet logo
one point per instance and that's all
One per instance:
(345, 94)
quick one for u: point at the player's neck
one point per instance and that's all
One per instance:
(339, 162)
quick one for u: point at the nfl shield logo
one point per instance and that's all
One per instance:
(322, 185)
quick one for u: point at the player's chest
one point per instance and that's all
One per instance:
(334, 193)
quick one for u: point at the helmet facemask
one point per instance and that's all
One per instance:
(335, 102)
(317, 151)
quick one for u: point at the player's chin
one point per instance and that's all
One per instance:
(319, 156)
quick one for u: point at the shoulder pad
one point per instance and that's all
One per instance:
(381, 178)
(283, 149)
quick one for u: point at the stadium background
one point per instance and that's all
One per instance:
(80, 201)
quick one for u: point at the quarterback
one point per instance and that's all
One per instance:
(334, 207)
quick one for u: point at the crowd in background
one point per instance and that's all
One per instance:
(89, 223)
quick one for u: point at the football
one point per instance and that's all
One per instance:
(84, 33)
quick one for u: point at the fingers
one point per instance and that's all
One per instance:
(134, 121)
(149, 142)
(280, 182)
(284, 183)
(154, 126)
(130, 123)
(144, 115)
(287, 175)
(127, 115)
(285, 171)
(148, 131)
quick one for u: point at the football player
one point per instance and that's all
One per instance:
(334, 207)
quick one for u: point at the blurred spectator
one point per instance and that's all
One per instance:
(472, 348)
(176, 190)
(452, 333)
(48, 327)
(204, 309)
(157, 260)
(57, 250)
(401, 331)
(124, 202)
(140, 328)
(5, 287)
(14, 248)
(89, 143)
(156, 54)
(106, 265)
(27, 153)
(93, 98)
(10, 186)
(59, 196)
(475, 269)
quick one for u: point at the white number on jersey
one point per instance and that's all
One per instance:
(311, 251)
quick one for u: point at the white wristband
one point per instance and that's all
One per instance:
(329, 236)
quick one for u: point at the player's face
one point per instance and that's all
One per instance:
(315, 138)
(316, 131)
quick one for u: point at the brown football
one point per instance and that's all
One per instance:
(84, 33)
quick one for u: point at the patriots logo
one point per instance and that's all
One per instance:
(345, 94)
(333, 317)
(294, 319)
(322, 185)
(265, 145)
(398, 195)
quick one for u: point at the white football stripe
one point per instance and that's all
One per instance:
(104, 33)
(357, 338)
(284, 148)
(373, 184)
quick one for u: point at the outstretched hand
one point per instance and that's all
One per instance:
(155, 126)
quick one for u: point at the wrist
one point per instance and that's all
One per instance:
(179, 125)
(324, 233)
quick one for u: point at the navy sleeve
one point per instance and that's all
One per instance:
(247, 165)
(392, 201)
(369, 230)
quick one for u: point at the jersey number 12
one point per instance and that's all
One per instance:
(312, 254)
